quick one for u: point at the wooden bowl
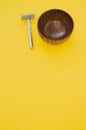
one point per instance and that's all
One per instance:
(55, 26)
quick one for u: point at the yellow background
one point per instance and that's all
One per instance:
(43, 88)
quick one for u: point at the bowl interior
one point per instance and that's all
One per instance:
(55, 24)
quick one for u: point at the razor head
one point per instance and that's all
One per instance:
(26, 16)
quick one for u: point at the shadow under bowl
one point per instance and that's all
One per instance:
(55, 25)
